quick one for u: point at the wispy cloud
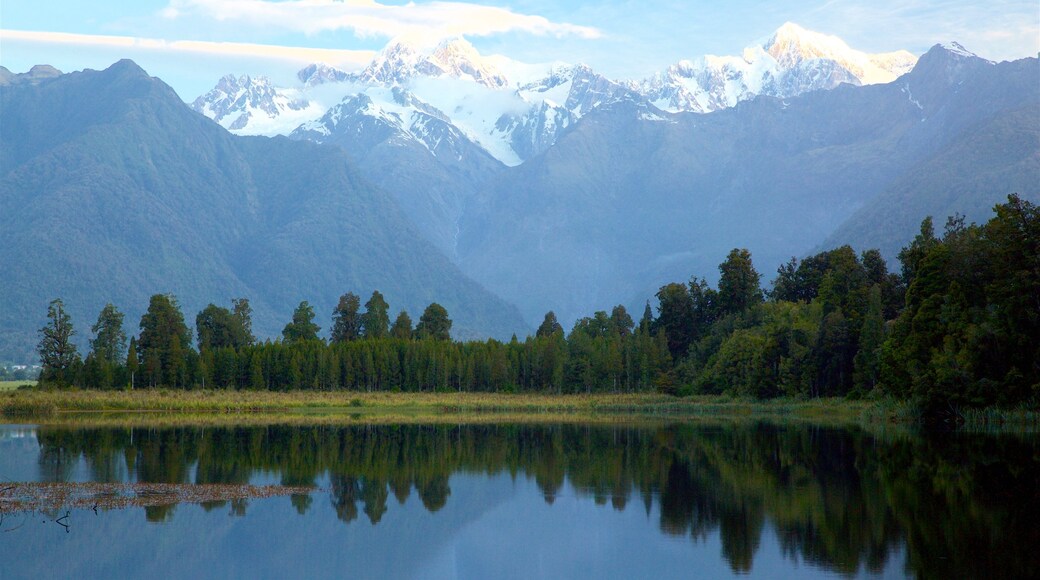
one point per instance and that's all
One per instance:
(234, 49)
(366, 18)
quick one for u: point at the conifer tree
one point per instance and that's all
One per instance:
(57, 352)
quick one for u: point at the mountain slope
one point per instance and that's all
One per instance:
(114, 190)
(629, 198)
(411, 150)
(974, 173)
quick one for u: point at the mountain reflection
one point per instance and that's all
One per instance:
(958, 505)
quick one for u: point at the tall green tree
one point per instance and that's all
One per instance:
(219, 327)
(739, 283)
(549, 325)
(243, 313)
(133, 366)
(57, 352)
(402, 327)
(165, 342)
(867, 363)
(109, 342)
(376, 319)
(346, 319)
(676, 318)
(623, 323)
(646, 322)
(302, 327)
(434, 323)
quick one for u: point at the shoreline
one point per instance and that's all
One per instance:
(227, 407)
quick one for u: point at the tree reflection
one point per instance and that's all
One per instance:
(959, 505)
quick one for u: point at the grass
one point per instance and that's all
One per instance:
(45, 403)
(218, 406)
(13, 385)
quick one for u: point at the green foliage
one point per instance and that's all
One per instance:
(434, 323)
(402, 327)
(549, 325)
(57, 352)
(165, 343)
(302, 327)
(966, 334)
(376, 320)
(969, 336)
(222, 328)
(109, 342)
(738, 284)
(346, 318)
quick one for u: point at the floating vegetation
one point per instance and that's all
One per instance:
(53, 496)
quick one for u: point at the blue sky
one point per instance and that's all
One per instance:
(191, 43)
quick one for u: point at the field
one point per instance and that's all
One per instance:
(12, 385)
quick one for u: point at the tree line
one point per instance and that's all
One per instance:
(958, 326)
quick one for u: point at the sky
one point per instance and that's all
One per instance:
(190, 44)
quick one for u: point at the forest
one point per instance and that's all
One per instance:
(957, 327)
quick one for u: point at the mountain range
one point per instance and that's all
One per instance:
(434, 173)
(113, 190)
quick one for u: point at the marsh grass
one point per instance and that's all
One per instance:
(44, 403)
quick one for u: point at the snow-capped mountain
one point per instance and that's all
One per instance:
(402, 61)
(514, 110)
(790, 62)
(391, 115)
(320, 73)
(252, 105)
(558, 101)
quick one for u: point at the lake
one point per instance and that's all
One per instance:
(655, 500)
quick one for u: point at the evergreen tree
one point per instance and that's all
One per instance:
(346, 319)
(109, 342)
(376, 320)
(165, 341)
(221, 328)
(676, 318)
(621, 321)
(57, 352)
(434, 323)
(302, 327)
(132, 364)
(549, 325)
(739, 283)
(646, 323)
(243, 313)
(402, 327)
(866, 365)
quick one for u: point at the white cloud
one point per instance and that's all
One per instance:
(370, 18)
(341, 58)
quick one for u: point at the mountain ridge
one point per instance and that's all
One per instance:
(138, 194)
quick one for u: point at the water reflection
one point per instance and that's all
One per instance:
(956, 505)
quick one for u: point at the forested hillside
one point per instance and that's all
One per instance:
(114, 190)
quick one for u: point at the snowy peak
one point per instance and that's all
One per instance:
(245, 101)
(956, 49)
(458, 59)
(401, 61)
(791, 61)
(320, 73)
(791, 45)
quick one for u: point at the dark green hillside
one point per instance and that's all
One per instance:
(111, 189)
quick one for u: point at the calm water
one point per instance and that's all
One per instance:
(531, 501)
